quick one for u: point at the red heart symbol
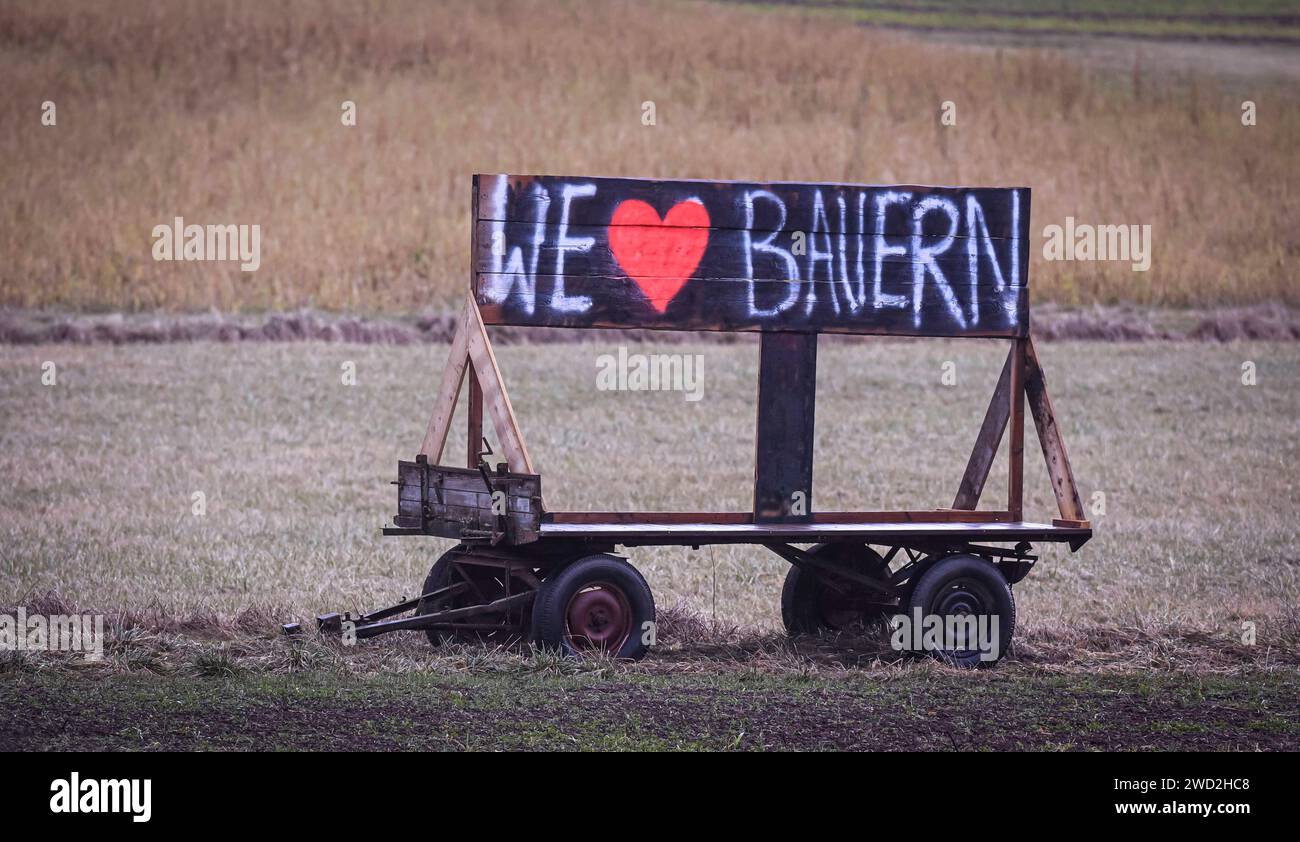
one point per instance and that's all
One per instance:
(659, 255)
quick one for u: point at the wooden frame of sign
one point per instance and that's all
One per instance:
(789, 261)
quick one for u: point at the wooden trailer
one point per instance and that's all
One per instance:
(789, 261)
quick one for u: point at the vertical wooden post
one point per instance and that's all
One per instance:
(783, 455)
(1016, 475)
(474, 435)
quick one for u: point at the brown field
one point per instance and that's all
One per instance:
(229, 112)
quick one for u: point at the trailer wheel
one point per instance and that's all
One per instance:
(961, 586)
(485, 581)
(599, 603)
(439, 577)
(810, 606)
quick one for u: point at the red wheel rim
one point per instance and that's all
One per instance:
(598, 617)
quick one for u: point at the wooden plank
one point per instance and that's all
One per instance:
(435, 435)
(710, 309)
(526, 198)
(729, 255)
(474, 427)
(474, 430)
(650, 517)
(1016, 477)
(1049, 436)
(787, 386)
(987, 442)
(689, 255)
(629, 534)
(917, 516)
(495, 398)
(911, 516)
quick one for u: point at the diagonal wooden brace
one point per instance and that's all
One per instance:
(1049, 435)
(991, 432)
(453, 374)
(471, 350)
(987, 442)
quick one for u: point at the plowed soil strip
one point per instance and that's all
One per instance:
(927, 709)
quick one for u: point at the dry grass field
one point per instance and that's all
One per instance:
(229, 112)
(1197, 471)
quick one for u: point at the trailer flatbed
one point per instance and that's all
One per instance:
(887, 534)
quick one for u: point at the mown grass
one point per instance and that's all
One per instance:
(229, 112)
(1189, 477)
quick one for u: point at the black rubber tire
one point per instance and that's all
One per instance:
(804, 596)
(550, 623)
(970, 581)
(439, 577)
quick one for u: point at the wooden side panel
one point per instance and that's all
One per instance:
(445, 501)
(695, 255)
(787, 384)
(1049, 435)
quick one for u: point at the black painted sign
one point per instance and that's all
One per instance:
(704, 255)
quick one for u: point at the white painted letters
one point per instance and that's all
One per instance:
(766, 247)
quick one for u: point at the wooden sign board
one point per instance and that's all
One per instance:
(707, 255)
